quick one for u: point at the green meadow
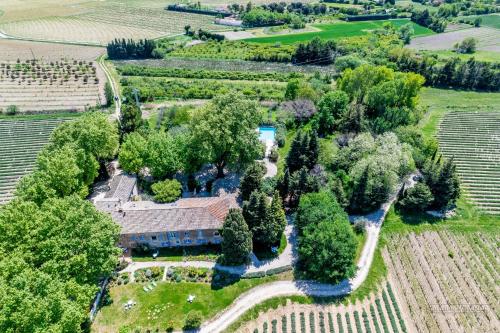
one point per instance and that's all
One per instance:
(339, 30)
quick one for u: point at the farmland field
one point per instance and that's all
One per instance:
(100, 22)
(338, 30)
(487, 39)
(63, 84)
(491, 20)
(472, 139)
(448, 278)
(11, 50)
(21, 140)
(378, 313)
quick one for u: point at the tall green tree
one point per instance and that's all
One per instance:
(92, 132)
(223, 132)
(327, 250)
(446, 189)
(130, 118)
(277, 218)
(237, 239)
(59, 172)
(164, 155)
(133, 153)
(314, 207)
(331, 107)
(252, 179)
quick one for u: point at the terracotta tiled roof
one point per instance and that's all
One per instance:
(182, 215)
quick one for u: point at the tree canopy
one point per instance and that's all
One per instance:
(237, 239)
(223, 132)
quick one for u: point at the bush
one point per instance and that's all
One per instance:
(468, 45)
(253, 275)
(274, 155)
(360, 225)
(167, 190)
(416, 199)
(12, 110)
(278, 270)
(193, 320)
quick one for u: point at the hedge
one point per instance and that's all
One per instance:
(374, 319)
(357, 322)
(311, 323)
(396, 308)
(322, 322)
(366, 322)
(284, 324)
(330, 322)
(253, 275)
(184, 9)
(389, 312)
(339, 321)
(371, 17)
(278, 270)
(292, 323)
(381, 315)
(302, 323)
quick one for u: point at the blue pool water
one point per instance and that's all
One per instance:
(266, 133)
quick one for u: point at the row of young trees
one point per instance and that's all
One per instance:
(130, 49)
(454, 73)
(54, 245)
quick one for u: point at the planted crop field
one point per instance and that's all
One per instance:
(472, 139)
(227, 65)
(11, 50)
(379, 313)
(491, 20)
(101, 22)
(164, 88)
(447, 280)
(339, 30)
(488, 39)
(34, 85)
(20, 142)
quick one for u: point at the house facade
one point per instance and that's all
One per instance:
(186, 222)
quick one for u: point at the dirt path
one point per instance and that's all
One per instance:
(114, 86)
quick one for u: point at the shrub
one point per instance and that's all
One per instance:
(311, 323)
(193, 320)
(366, 322)
(12, 110)
(348, 323)
(357, 321)
(468, 45)
(253, 275)
(274, 155)
(381, 315)
(322, 322)
(292, 323)
(396, 307)
(360, 225)
(339, 322)
(284, 324)
(302, 323)
(278, 270)
(416, 199)
(167, 190)
(374, 319)
(274, 324)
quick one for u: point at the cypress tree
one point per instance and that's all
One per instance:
(237, 239)
(277, 221)
(252, 180)
(313, 151)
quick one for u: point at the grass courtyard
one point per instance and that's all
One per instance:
(166, 305)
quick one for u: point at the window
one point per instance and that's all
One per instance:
(187, 234)
(132, 238)
(187, 241)
(216, 233)
(200, 233)
(153, 238)
(172, 234)
(142, 237)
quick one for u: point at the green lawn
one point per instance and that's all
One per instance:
(490, 56)
(490, 20)
(338, 30)
(440, 101)
(166, 305)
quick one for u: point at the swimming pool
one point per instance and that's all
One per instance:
(266, 133)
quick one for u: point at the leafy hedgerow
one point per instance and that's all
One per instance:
(132, 70)
(292, 323)
(330, 322)
(357, 322)
(237, 50)
(274, 326)
(322, 322)
(389, 312)
(302, 323)
(374, 319)
(311, 323)
(159, 88)
(284, 324)
(348, 322)
(339, 321)
(366, 322)
(396, 307)
(381, 315)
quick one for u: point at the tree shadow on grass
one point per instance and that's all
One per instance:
(418, 218)
(221, 279)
